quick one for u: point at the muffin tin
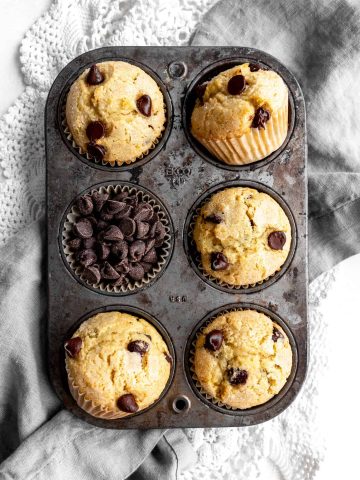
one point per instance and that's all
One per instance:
(181, 175)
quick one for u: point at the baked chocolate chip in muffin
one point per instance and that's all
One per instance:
(117, 364)
(116, 240)
(115, 112)
(242, 359)
(243, 236)
(241, 115)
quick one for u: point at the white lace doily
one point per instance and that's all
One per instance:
(291, 442)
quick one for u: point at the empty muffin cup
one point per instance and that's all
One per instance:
(116, 238)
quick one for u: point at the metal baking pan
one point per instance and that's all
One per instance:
(178, 171)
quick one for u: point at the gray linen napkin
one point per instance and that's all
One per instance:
(319, 41)
(37, 439)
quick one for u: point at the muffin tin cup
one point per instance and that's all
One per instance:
(71, 215)
(146, 156)
(88, 405)
(178, 176)
(190, 359)
(195, 257)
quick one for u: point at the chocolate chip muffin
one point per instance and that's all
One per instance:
(242, 359)
(117, 364)
(115, 112)
(116, 238)
(241, 115)
(243, 236)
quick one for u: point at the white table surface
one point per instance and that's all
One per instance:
(340, 412)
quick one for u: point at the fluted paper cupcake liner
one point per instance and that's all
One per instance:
(130, 286)
(103, 162)
(255, 145)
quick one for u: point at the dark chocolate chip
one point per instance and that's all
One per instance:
(142, 229)
(119, 197)
(136, 271)
(137, 250)
(138, 346)
(149, 245)
(113, 233)
(218, 261)
(120, 249)
(89, 242)
(95, 130)
(73, 346)
(127, 403)
(254, 67)
(146, 266)
(85, 205)
(108, 272)
(83, 228)
(143, 211)
(276, 334)
(101, 225)
(103, 251)
(128, 226)
(86, 257)
(200, 90)
(261, 117)
(144, 105)
(74, 244)
(112, 207)
(125, 212)
(277, 240)
(96, 151)
(99, 199)
(94, 77)
(92, 220)
(106, 217)
(236, 84)
(237, 376)
(214, 340)
(168, 358)
(120, 281)
(132, 200)
(123, 266)
(92, 274)
(151, 256)
(214, 218)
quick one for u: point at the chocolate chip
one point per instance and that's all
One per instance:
(277, 240)
(136, 271)
(125, 212)
(237, 376)
(146, 266)
(106, 217)
(149, 245)
(218, 261)
(83, 228)
(92, 220)
(95, 130)
(138, 346)
(89, 242)
(108, 272)
(261, 117)
(96, 151)
(168, 358)
(236, 84)
(119, 197)
(127, 403)
(142, 229)
(128, 226)
(74, 244)
(120, 249)
(73, 346)
(143, 211)
(214, 340)
(151, 256)
(119, 281)
(144, 105)
(276, 334)
(254, 67)
(92, 274)
(214, 218)
(99, 199)
(158, 232)
(132, 200)
(86, 257)
(101, 225)
(123, 266)
(112, 207)
(136, 250)
(103, 251)
(113, 233)
(94, 77)
(85, 205)
(200, 90)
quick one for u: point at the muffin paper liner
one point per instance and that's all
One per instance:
(87, 157)
(191, 360)
(196, 256)
(255, 145)
(131, 285)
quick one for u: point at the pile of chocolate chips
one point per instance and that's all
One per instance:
(117, 239)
